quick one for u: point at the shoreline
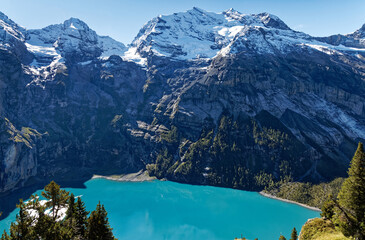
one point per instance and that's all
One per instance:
(262, 193)
(140, 176)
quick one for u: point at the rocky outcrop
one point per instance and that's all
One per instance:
(355, 39)
(18, 154)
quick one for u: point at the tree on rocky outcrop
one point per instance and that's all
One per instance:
(351, 198)
(282, 237)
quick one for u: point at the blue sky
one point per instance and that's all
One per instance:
(122, 19)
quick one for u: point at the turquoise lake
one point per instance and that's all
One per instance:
(162, 210)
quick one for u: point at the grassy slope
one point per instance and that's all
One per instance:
(310, 194)
(320, 229)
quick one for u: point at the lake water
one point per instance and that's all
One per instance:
(166, 210)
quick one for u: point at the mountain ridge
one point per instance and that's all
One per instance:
(224, 99)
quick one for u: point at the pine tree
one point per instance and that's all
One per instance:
(20, 229)
(5, 236)
(69, 221)
(328, 208)
(43, 222)
(70, 213)
(294, 234)
(98, 225)
(57, 196)
(80, 218)
(351, 198)
(282, 237)
(41, 226)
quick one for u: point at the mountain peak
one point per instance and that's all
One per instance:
(198, 34)
(233, 14)
(362, 28)
(196, 9)
(231, 11)
(6, 19)
(76, 24)
(359, 34)
(3, 16)
(271, 20)
(11, 28)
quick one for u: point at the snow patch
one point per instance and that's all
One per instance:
(85, 63)
(72, 26)
(132, 55)
(110, 47)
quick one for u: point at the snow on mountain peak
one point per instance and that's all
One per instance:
(270, 20)
(9, 29)
(191, 35)
(185, 35)
(197, 34)
(360, 33)
(76, 24)
(200, 35)
(233, 14)
(73, 38)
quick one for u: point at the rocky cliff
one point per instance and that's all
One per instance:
(226, 99)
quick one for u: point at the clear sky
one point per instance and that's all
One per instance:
(122, 19)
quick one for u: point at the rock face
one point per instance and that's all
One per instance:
(355, 39)
(225, 99)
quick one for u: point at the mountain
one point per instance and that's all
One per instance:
(355, 39)
(197, 34)
(227, 99)
(74, 40)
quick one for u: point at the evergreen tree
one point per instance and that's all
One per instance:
(80, 218)
(20, 229)
(44, 225)
(98, 225)
(70, 217)
(328, 208)
(43, 222)
(5, 236)
(70, 213)
(282, 237)
(57, 196)
(351, 198)
(294, 234)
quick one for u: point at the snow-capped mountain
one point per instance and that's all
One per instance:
(73, 39)
(352, 40)
(10, 30)
(199, 34)
(47, 49)
(12, 37)
(73, 103)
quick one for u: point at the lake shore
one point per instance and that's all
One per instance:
(262, 193)
(140, 176)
